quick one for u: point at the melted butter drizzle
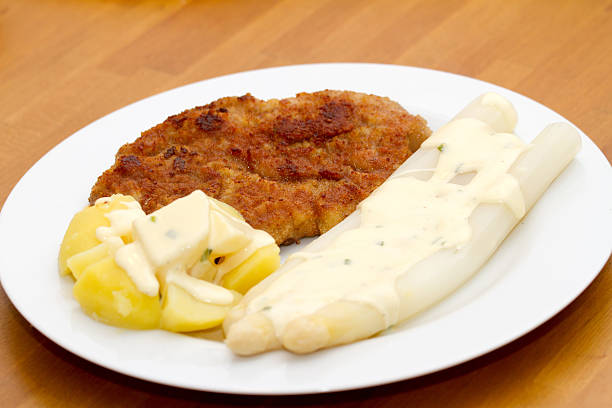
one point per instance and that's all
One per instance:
(403, 222)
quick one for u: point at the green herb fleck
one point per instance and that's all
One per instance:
(441, 147)
(381, 243)
(263, 309)
(153, 218)
(206, 254)
(347, 261)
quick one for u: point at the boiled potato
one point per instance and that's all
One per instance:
(79, 262)
(254, 269)
(181, 312)
(107, 294)
(81, 233)
(227, 209)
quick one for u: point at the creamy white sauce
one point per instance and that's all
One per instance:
(133, 259)
(175, 233)
(227, 235)
(407, 219)
(179, 243)
(113, 244)
(200, 289)
(103, 201)
(120, 220)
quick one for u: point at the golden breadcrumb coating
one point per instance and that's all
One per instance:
(293, 167)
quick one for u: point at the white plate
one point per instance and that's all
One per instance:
(544, 264)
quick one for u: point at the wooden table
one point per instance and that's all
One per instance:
(66, 63)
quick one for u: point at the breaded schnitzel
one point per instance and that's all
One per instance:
(293, 167)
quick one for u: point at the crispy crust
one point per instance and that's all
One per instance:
(293, 167)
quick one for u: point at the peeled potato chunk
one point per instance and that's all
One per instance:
(181, 312)
(227, 209)
(107, 294)
(79, 262)
(81, 233)
(254, 269)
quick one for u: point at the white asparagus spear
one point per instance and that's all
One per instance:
(427, 281)
(550, 152)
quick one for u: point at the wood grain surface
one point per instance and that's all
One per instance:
(65, 63)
